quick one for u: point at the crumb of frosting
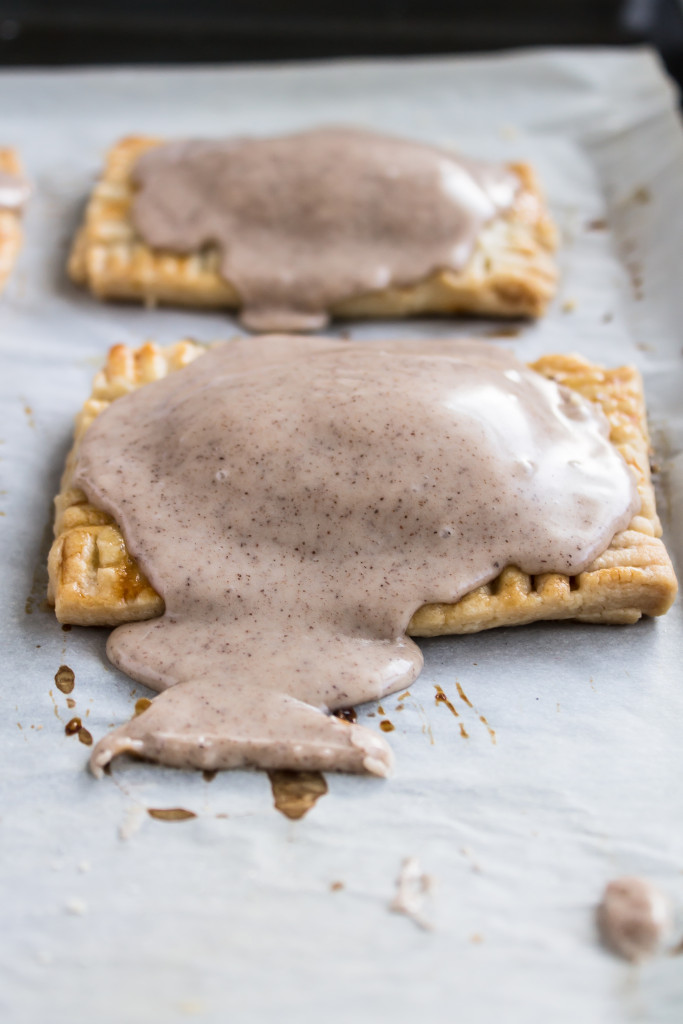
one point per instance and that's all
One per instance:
(134, 818)
(412, 887)
(633, 917)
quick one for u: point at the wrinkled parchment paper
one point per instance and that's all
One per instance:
(574, 778)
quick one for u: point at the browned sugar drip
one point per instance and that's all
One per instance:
(347, 714)
(463, 696)
(491, 732)
(85, 736)
(170, 813)
(306, 221)
(294, 501)
(294, 793)
(441, 698)
(65, 679)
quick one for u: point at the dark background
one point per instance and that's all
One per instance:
(58, 32)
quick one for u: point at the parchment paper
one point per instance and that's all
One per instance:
(230, 916)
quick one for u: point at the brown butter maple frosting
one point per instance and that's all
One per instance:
(295, 500)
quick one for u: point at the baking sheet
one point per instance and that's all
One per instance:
(110, 915)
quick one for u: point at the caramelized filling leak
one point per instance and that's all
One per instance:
(306, 221)
(170, 813)
(295, 500)
(65, 679)
(294, 793)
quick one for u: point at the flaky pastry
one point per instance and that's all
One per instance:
(510, 273)
(93, 580)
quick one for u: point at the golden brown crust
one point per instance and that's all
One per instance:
(94, 581)
(10, 220)
(510, 273)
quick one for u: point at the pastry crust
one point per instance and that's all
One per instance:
(510, 273)
(10, 220)
(95, 581)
